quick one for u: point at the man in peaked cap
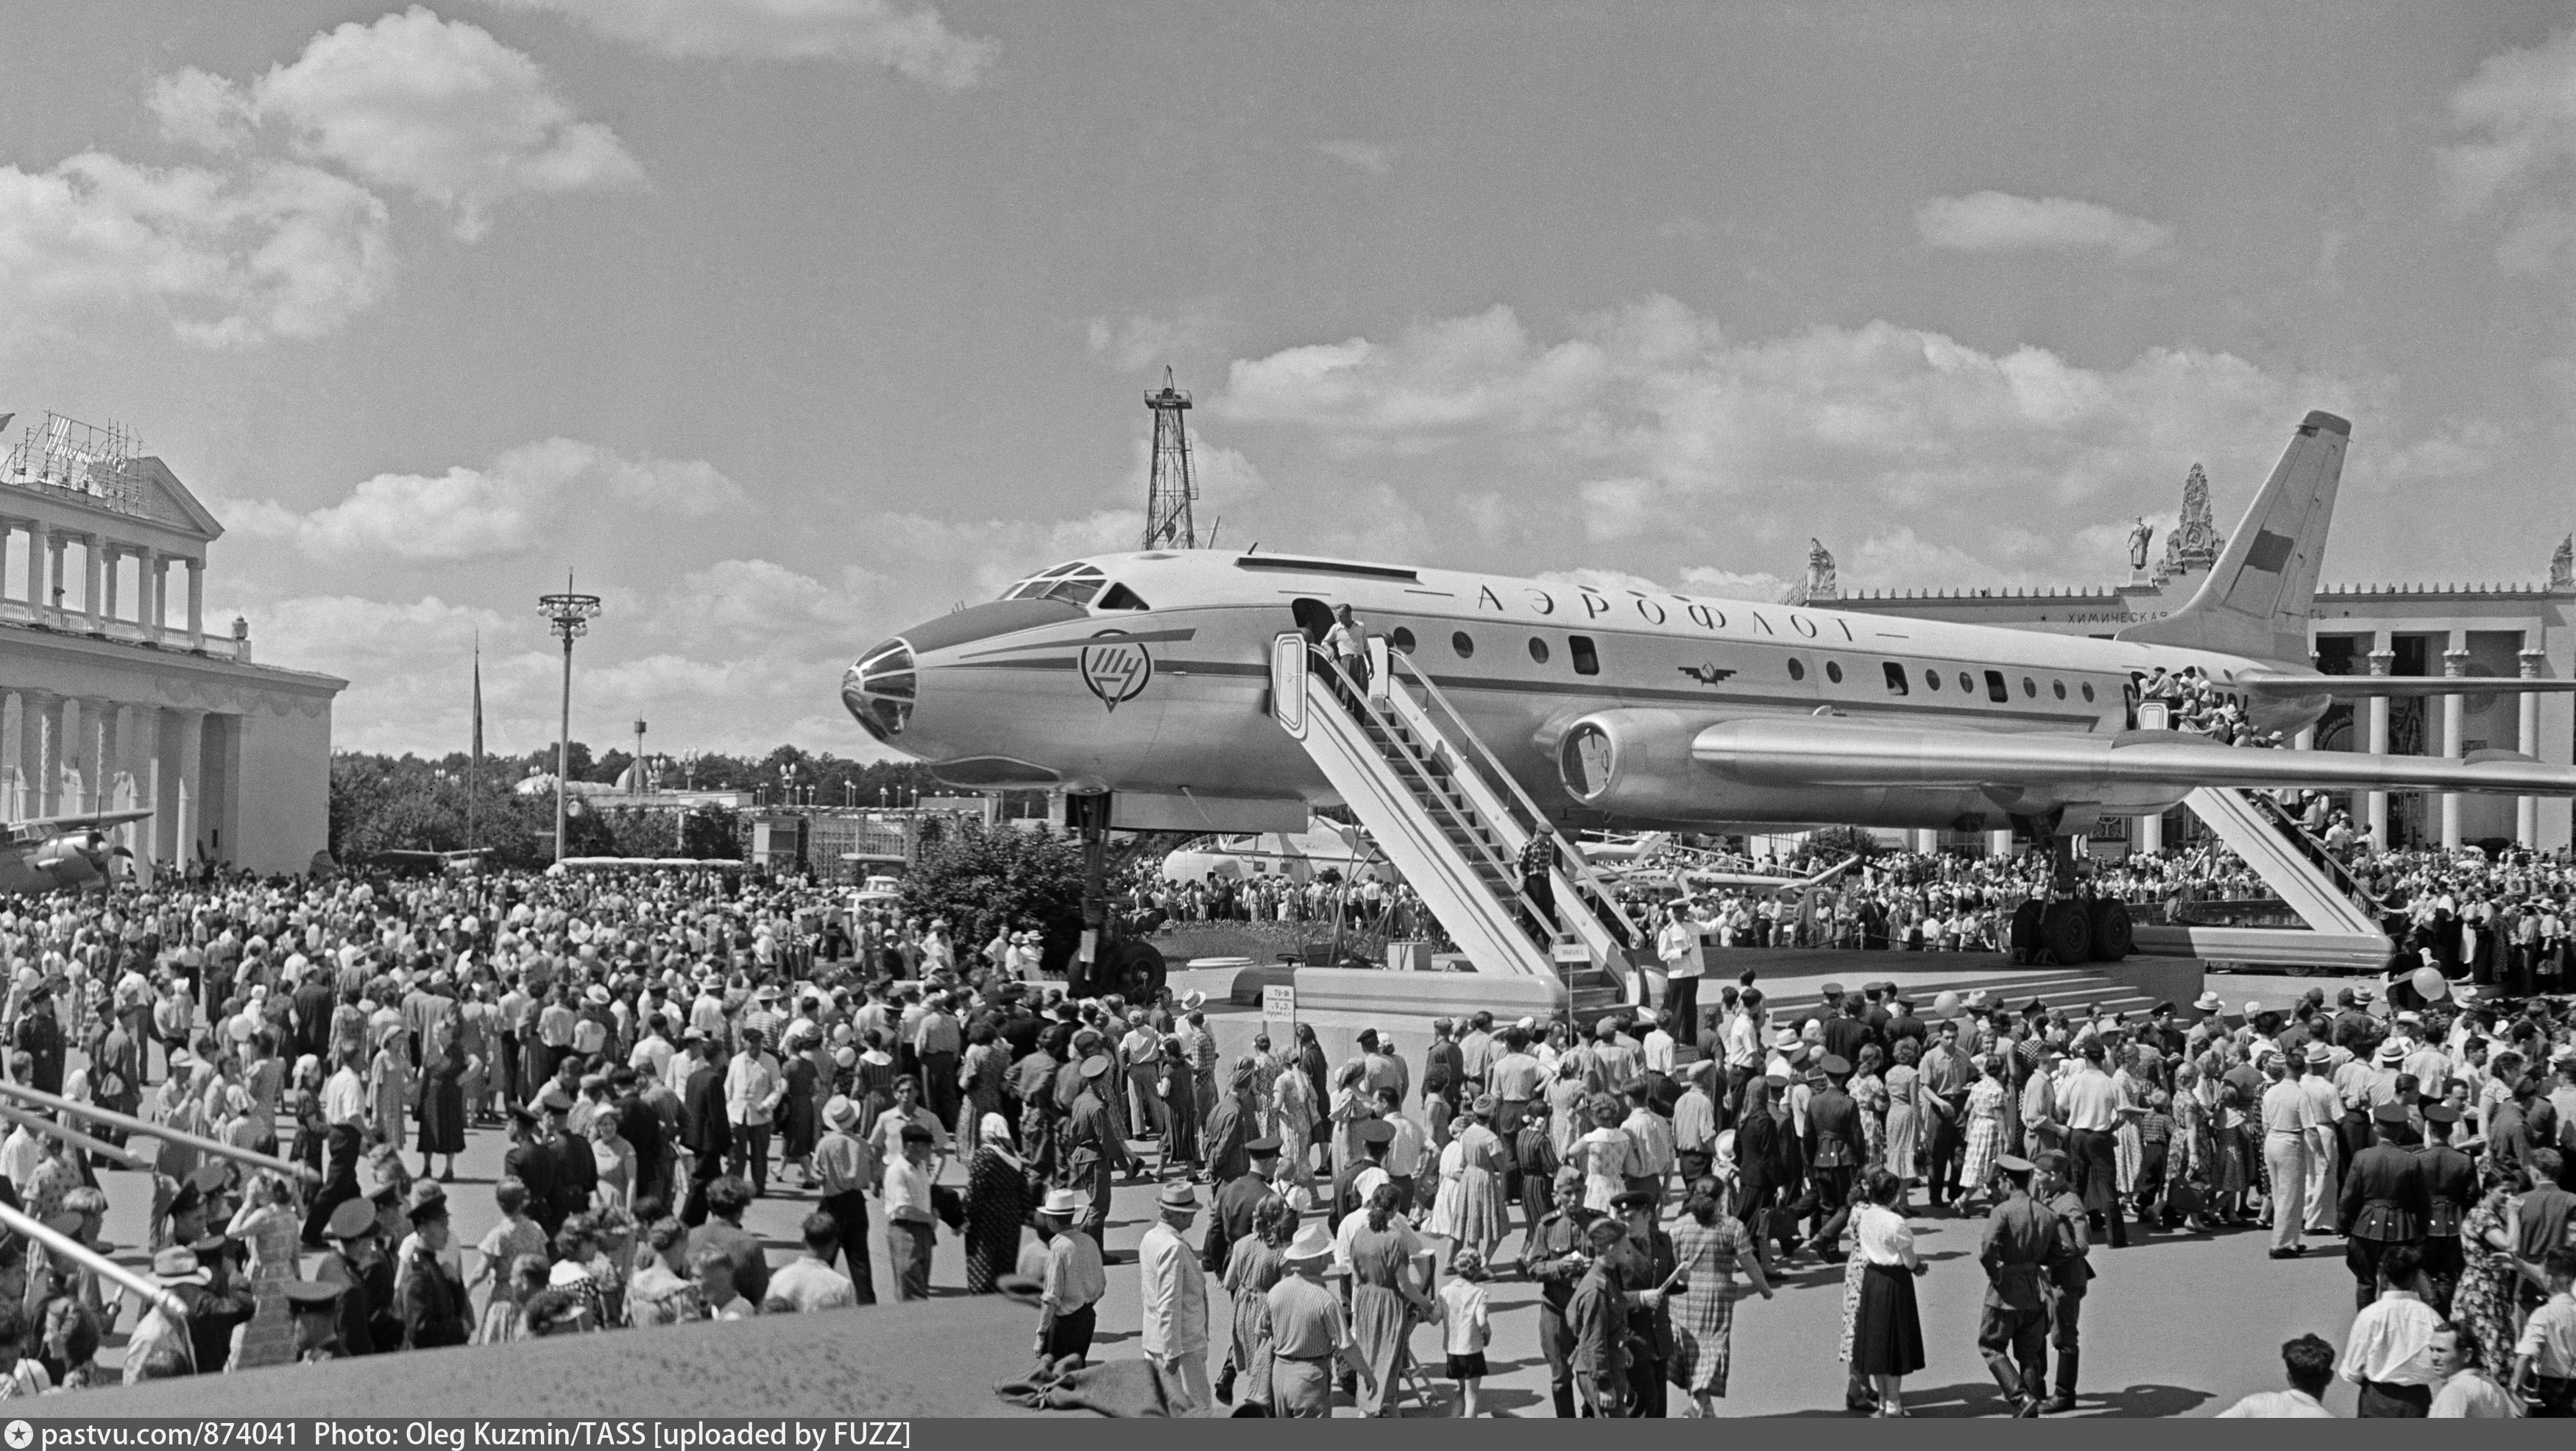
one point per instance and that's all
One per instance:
(2385, 1201)
(2019, 1246)
(361, 1278)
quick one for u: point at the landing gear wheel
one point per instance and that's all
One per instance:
(2112, 934)
(2024, 942)
(2065, 934)
(1140, 971)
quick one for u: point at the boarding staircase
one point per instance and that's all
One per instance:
(2342, 917)
(1442, 807)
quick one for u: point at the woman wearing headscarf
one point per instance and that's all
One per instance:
(442, 1109)
(1254, 1264)
(999, 1196)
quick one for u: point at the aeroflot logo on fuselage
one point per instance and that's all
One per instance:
(1116, 668)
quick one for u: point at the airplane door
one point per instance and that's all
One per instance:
(1314, 617)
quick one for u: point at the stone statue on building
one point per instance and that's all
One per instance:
(2141, 534)
(2562, 564)
(1820, 583)
(2195, 542)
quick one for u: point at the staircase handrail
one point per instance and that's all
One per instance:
(1368, 714)
(2317, 852)
(1474, 751)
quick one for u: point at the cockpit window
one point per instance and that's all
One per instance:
(1120, 597)
(1073, 583)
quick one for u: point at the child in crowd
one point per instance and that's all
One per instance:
(1465, 1327)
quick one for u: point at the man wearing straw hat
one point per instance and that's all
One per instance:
(1073, 1282)
(841, 1180)
(1175, 1296)
(1308, 1332)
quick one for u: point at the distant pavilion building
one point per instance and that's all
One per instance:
(112, 693)
(2468, 631)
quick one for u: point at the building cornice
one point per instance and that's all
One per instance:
(170, 659)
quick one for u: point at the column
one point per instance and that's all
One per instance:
(13, 778)
(114, 557)
(1927, 840)
(1999, 843)
(2526, 809)
(2151, 833)
(2305, 740)
(95, 551)
(40, 548)
(196, 604)
(98, 754)
(2376, 802)
(184, 780)
(151, 588)
(56, 717)
(7, 528)
(138, 747)
(2455, 719)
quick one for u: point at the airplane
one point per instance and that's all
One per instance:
(1290, 856)
(1147, 674)
(50, 853)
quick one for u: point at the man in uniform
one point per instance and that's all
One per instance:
(2385, 1202)
(1650, 1262)
(1557, 1254)
(2068, 1276)
(1230, 1217)
(348, 1271)
(1834, 1151)
(1092, 1153)
(2012, 1327)
(1597, 1317)
(2451, 1188)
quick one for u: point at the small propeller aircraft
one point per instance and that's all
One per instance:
(50, 853)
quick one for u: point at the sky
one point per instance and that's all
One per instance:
(782, 324)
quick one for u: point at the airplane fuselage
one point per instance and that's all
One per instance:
(1063, 687)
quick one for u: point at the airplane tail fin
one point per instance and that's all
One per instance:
(2256, 599)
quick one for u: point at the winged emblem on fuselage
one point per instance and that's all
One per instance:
(1707, 674)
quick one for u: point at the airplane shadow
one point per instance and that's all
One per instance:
(1981, 1398)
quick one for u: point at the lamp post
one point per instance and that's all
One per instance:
(570, 615)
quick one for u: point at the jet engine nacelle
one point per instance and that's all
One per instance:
(73, 859)
(1638, 766)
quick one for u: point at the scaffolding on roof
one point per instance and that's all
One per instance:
(95, 461)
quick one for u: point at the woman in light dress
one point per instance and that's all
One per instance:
(1985, 1128)
(1903, 1130)
(1469, 1208)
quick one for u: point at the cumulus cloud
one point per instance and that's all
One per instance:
(1359, 155)
(435, 107)
(1650, 430)
(230, 257)
(2517, 118)
(1994, 221)
(913, 43)
(519, 501)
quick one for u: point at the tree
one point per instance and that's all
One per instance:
(983, 879)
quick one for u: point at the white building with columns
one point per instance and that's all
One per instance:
(113, 694)
(2465, 631)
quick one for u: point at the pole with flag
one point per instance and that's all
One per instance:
(474, 775)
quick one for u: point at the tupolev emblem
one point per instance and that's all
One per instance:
(1116, 669)
(1708, 674)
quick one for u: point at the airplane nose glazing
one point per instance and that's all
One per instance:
(882, 689)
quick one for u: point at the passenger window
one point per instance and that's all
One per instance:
(1797, 668)
(1401, 638)
(1120, 597)
(1895, 674)
(2088, 692)
(1834, 671)
(2030, 687)
(1587, 661)
(2059, 686)
(1996, 690)
(1465, 645)
(1538, 649)
(1932, 678)
(1967, 682)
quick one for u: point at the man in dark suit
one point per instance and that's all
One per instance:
(706, 1129)
(1845, 1035)
(531, 1161)
(2451, 1183)
(1236, 1198)
(2385, 1201)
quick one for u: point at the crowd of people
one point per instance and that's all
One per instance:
(663, 1048)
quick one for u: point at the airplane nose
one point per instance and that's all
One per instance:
(881, 689)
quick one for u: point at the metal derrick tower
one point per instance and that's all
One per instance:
(1172, 487)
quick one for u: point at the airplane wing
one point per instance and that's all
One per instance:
(40, 828)
(2300, 687)
(1812, 751)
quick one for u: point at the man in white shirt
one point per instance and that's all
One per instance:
(1658, 1049)
(910, 1219)
(2309, 1363)
(2468, 1391)
(2325, 1108)
(1677, 944)
(809, 1282)
(1175, 1299)
(2288, 1134)
(753, 1087)
(2390, 1351)
(2091, 1102)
